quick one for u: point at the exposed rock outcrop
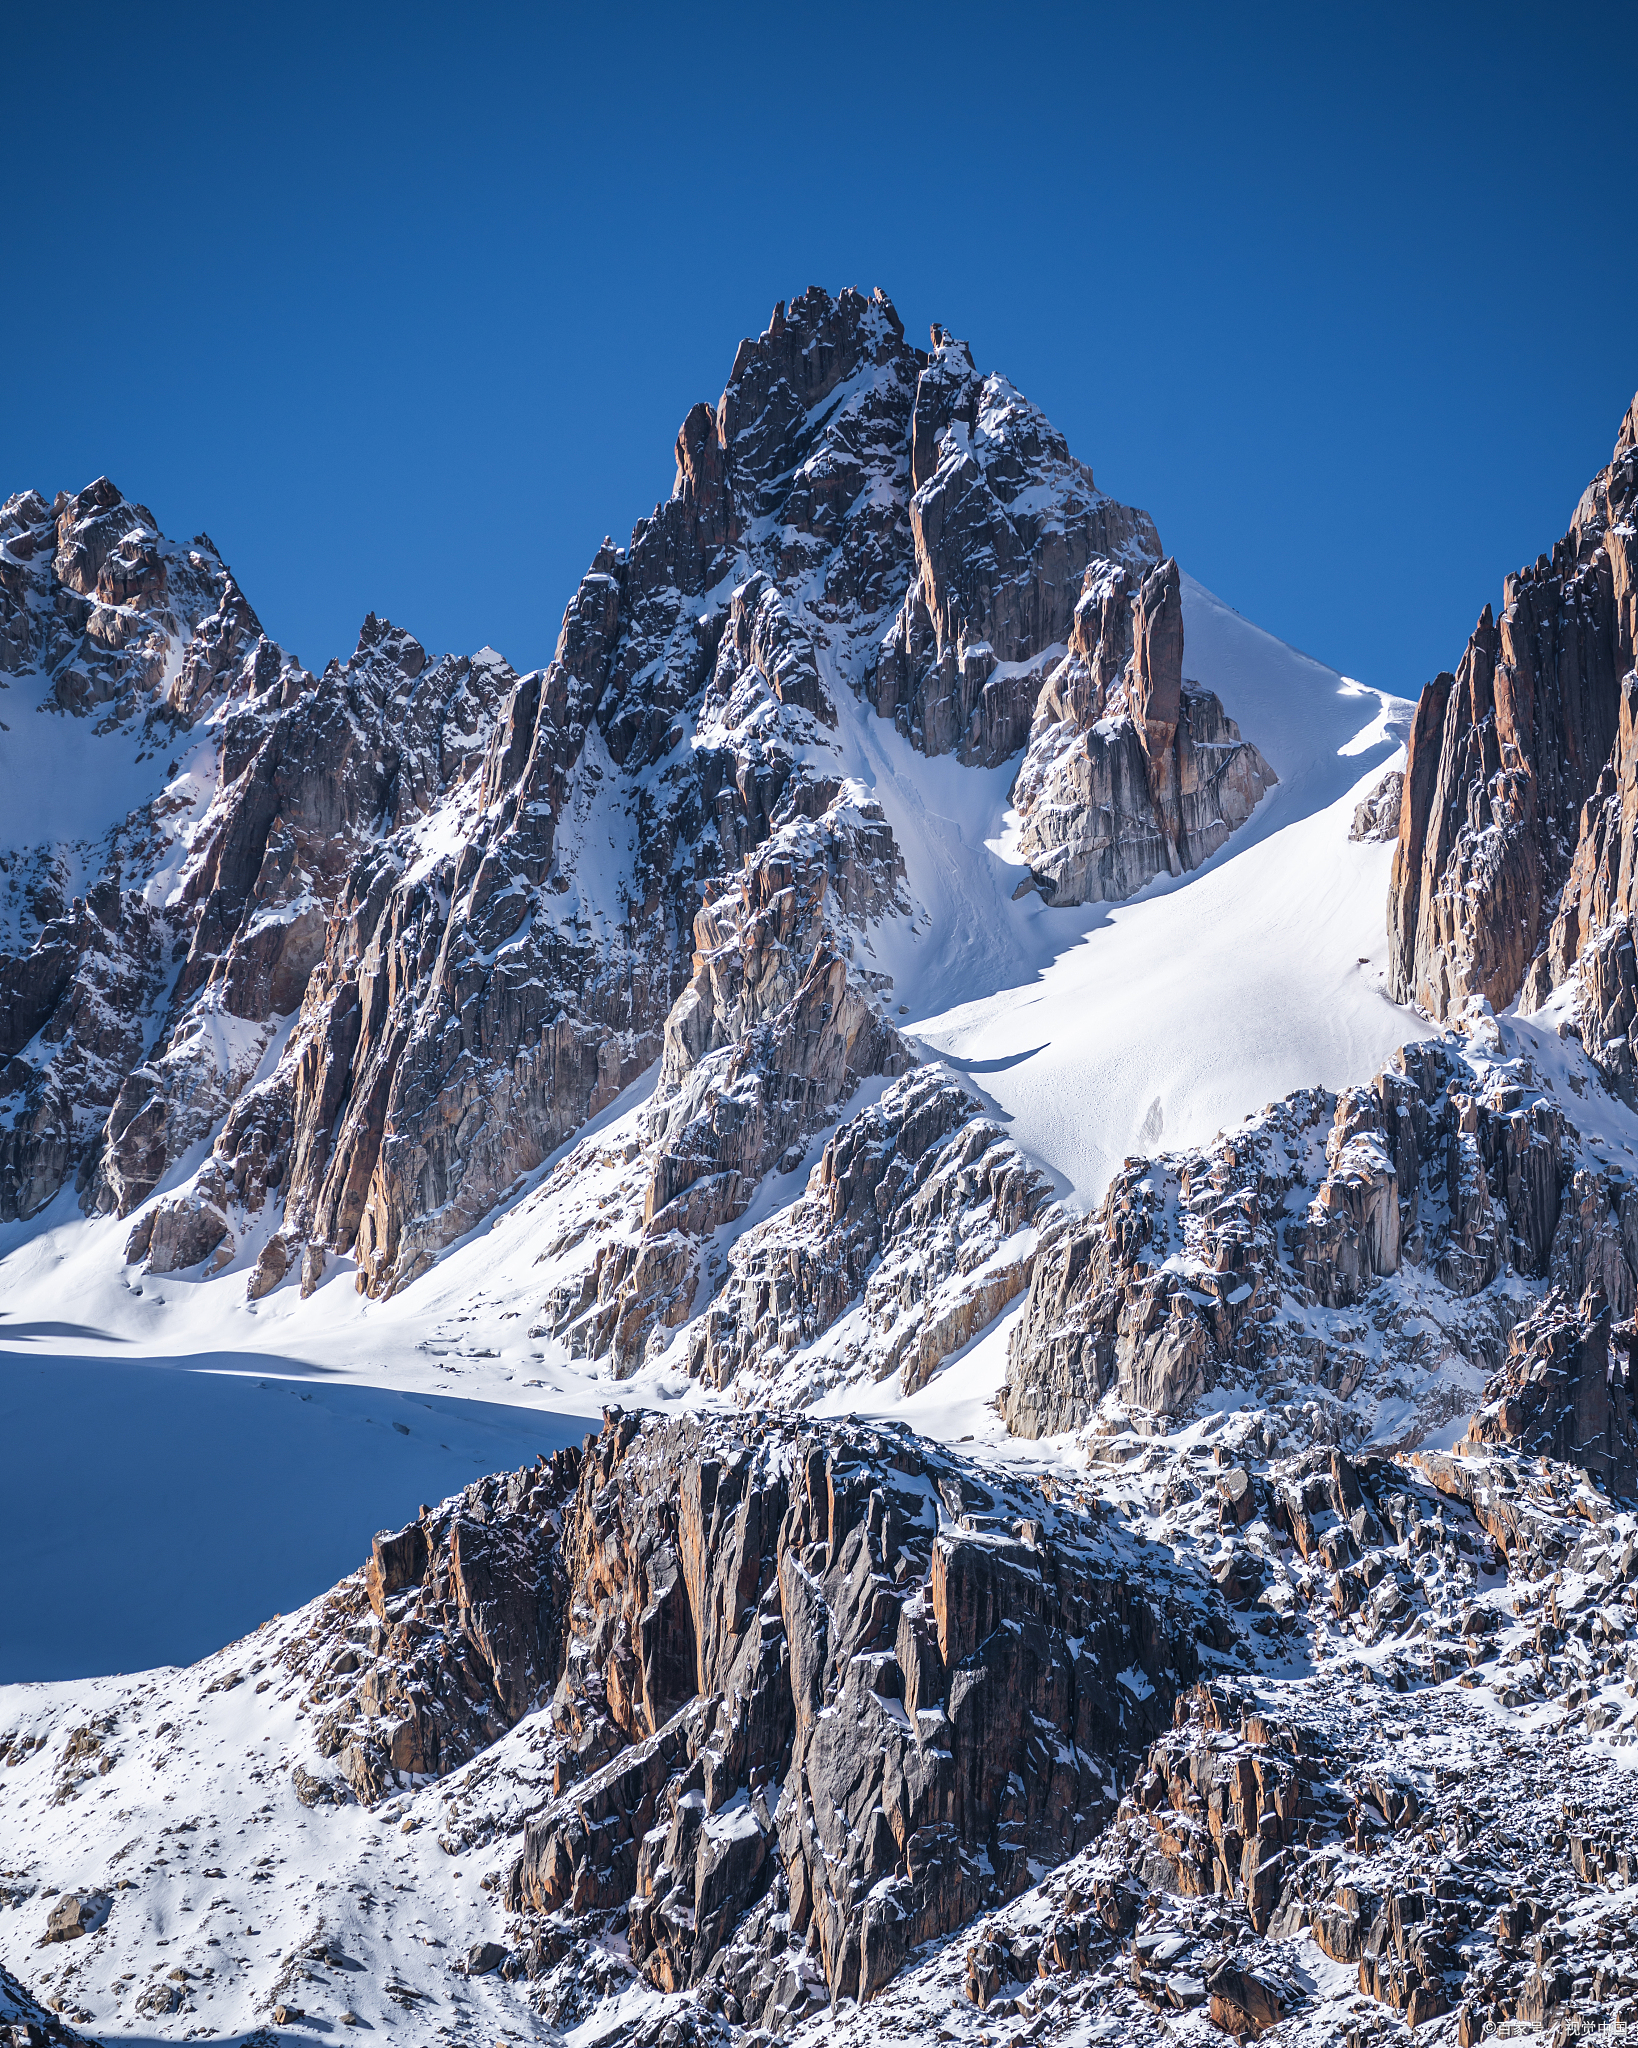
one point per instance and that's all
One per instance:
(918, 1212)
(1226, 1795)
(718, 1613)
(1131, 772)
(1565, 1391)
(824, 1592)
(1377, 815)
(1509, 778)
(27, 2023)
(1006, 526)
(313, 775)
(123, 622)
(1187, 1271)
(462, 1616)
(106, 623)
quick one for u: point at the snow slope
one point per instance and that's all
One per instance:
(219, 1881)
(63, 782)
(1119, 1028)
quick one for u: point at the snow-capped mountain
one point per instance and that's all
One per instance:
(1113, 1516)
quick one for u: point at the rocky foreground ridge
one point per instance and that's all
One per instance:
(821, 1696)
(768, 1727)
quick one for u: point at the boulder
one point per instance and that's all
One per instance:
(76, 1913)
(1376, 817)
(272, 1263)
(1243, 2003)
(186, 1228)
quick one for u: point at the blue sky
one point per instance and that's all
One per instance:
(404, 307)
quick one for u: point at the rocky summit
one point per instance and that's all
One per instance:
(1116, 1558)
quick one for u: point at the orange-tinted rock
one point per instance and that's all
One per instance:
(1504, 755)
(1131, 772)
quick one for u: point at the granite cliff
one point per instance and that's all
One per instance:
(1508, 863)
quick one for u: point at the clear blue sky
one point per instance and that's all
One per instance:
(404, 307)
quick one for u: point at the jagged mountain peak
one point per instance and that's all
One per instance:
(1627, 438)
(401, 648)
(858, 527)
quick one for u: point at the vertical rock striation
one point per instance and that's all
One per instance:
(1006, 525)
(1131, 772)
(813, 1695)
(1514, 763)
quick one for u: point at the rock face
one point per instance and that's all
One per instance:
(463, 1613)
(1223, 1794)
(1510, 776)
(917, 1225)
(312, 774)
(1591, 938)
(1565, 1391)
(919, 1212)
(715, 1614)
(105, 623)
(1130, 772)
(1191, 1265)
(1006, 527)
(795, 1593)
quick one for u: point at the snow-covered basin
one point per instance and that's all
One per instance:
(157, 1509)
(1136, 1027)
(186, 1462)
